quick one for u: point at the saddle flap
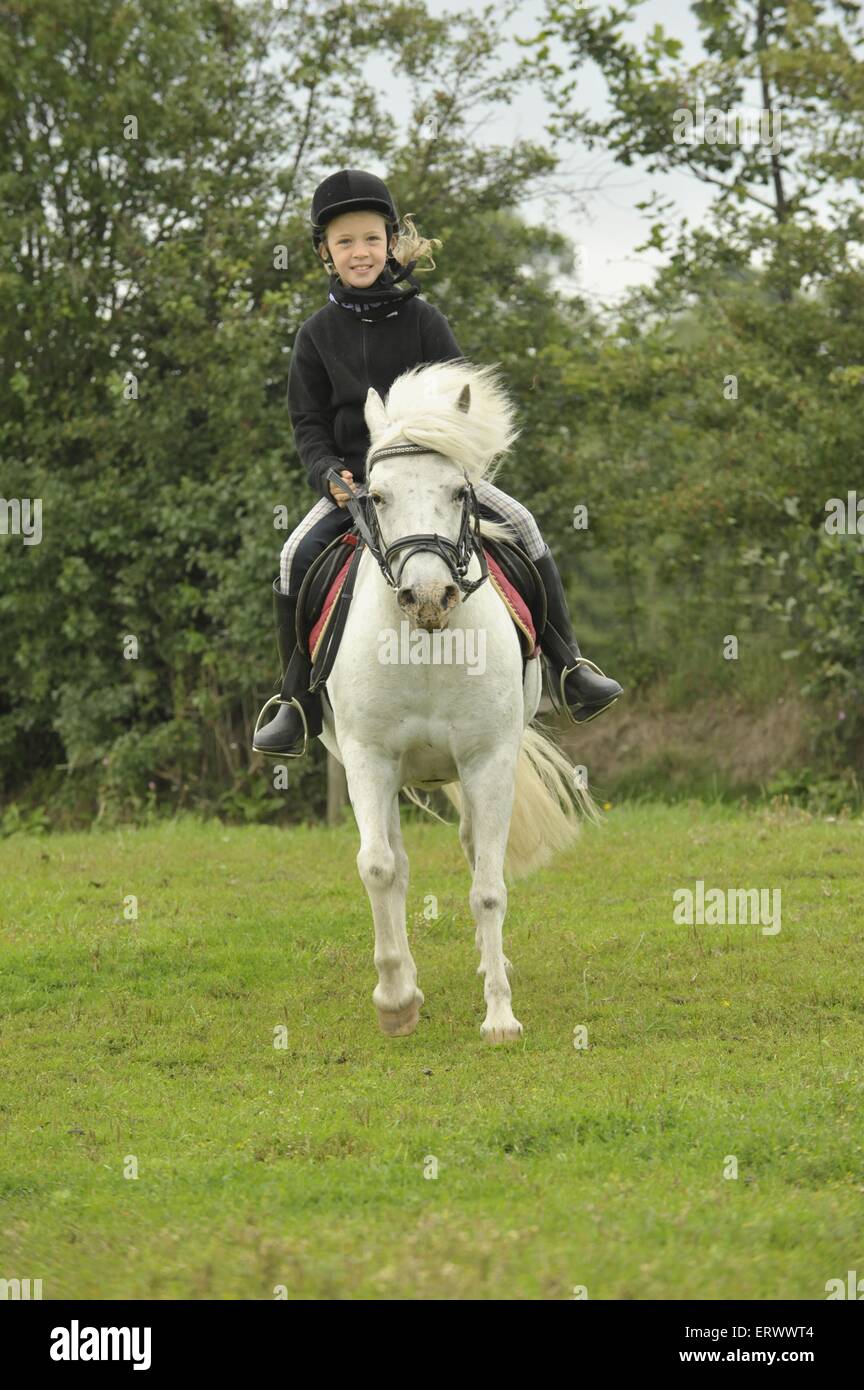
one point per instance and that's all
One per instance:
(522, 575)
(317, 633)
(516, 607)
(318, 583)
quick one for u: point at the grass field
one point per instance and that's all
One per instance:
(150, 1041)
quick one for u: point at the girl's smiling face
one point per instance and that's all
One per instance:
(357, 245)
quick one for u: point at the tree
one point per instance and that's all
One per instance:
(796, 67)
(156, 175)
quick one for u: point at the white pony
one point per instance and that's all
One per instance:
(403, 717)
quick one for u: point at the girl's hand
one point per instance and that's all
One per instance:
(340, 496)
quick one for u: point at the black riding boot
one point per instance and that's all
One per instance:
(579, 686)
(288, 734)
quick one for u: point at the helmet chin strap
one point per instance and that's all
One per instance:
(404, 271)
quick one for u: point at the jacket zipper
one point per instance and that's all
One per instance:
(365, 362)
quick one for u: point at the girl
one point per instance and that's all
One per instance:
(373, 328)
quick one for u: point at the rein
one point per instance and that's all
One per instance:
(456, 555)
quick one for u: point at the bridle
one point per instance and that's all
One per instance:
(456, 555)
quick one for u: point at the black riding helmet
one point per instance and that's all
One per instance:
(352, 190)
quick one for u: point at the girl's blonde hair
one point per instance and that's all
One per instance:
(410, 246)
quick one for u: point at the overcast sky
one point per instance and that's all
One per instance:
(610, 229)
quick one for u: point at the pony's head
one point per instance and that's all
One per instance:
(454, 408)
(466, 420)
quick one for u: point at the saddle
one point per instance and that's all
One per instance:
(327, 590)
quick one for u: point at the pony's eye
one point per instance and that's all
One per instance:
(461, 494)
(376, 498)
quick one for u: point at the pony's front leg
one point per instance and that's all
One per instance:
(466, 839)
(488, 789)
(383, 866)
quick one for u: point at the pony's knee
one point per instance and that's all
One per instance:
(377, 867)
(488, 897)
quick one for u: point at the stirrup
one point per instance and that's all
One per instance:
(559, 698)
(269, 752)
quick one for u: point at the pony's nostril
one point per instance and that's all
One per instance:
(407, 597)
(451, 595)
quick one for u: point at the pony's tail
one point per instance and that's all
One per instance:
(424, 804)
(547, 794)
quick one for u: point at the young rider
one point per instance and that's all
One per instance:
(373, 328)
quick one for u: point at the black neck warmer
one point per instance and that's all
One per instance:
(379, 300)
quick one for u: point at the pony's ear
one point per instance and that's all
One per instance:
(464, 401)
(376, 415)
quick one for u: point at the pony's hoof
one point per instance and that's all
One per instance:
(401, 1022)
(501, 1032)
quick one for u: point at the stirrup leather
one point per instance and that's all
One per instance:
(269, 752)
(559, 698)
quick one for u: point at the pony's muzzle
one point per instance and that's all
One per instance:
(428, 605)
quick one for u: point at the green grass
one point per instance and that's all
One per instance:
(303, 1166)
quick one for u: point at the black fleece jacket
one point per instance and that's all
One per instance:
(336, 358)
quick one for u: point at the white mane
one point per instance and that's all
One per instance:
(421, 408)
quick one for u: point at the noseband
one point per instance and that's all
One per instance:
(456, 556)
